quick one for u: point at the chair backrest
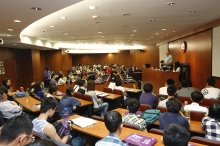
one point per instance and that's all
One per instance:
(162, 97)
(131, 126)
(108, 90)
(208, 102)
(162, 109)
(196, 116)
(204, 141)
(78, 95)
(98, 118)
(2, 120)
(156, 131)
(145, 107)
(87, 97)
(183, 99)
(119, 92)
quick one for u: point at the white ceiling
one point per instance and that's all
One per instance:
(173, 18)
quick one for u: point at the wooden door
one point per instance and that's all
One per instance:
(11, 72)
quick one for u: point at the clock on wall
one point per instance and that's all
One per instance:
(183, 47)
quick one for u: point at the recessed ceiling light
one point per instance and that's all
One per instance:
(122, 26)
(128, 40)
(148, 39)
(174, 31)
(152, 20)
(102, 36)
(10, 29)
(44, 31)
(14, 44)
(192, 11)
(156, 33)
(52, 26)
(92, 7)
(65, 33)
(79, 28)
(17, 21)
(163, 29)
(63, 17)
(161, 37)
(132, 34)
(36, 8)
(8, 35)
(99, 32)
(196, 18)
(125, 14)
(151, 37)
(72, 37)
(171, 3)
(134, 30)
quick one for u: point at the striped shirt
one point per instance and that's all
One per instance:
(39, 125)
(110, 140)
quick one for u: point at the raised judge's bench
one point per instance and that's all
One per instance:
(158, 78)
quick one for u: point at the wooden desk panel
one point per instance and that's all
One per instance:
(30, 104)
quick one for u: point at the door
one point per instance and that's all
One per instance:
(11, 72)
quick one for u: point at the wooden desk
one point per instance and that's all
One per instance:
(100, 131)
(133, 90)
(158, 78)
(30, 105)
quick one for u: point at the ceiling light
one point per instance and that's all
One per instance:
(192, 11)
(102, 36)
(44, 31)
(8, 35)
(63, 17)
(99, 32)
(148, 39)
(125, 14)
(132, 34)
(122, 26)
(157, 33)
(134, 30)
(151, 37)
(171, 3)
(152, 20)
(196, 18)
(65, 33)
(92, 7)
(163, 29)
(72, 37)
(10, 29)
(17, 21)
(161, 37)
(36, 8)
(14, 44)
(79, 28)
(52, 26)
(174, 31)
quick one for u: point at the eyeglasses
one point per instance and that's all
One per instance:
(31, 137)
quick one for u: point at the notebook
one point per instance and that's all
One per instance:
(59, 93)
(139, 140)
(84, 122)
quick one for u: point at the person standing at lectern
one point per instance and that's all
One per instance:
(169, 60)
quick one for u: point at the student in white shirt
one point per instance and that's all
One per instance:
(112, 84)
(171, 91)
(62, 80)
(210, 92)
(177, 67)
(163, 90)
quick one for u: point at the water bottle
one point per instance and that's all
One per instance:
(65, 116)
(134, 87)
(27, 94)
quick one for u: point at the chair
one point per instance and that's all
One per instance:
(204, 141)
(196, 116)
(131, 126)
(98, 118)
(208, 102)
(77, 95)
(108, 90)
(119, 92)
(162, 109)
(183, 99)
(87, 97)
(2, 120)
(145, 107)
(156, 131)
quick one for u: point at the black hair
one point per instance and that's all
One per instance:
(48, 103)
(148, 88)
(4, 83)
(211, 81)
(171, 90)
(197, 96)
(185, 83)
(14, 127)
(170, 82)
(214, 111)
(81, 82)
(177, 64)
(133, 105)
(69, 91)
(118, 82)
(112, 120)
(1, 94)
(52, 75)
(173, 105)
(175, 134)
(46, 68)
(60, 76)
(42, 142)
(37, 87)
(52, 89)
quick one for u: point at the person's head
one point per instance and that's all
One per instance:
(53, 89)
(69, 91)
(175, 135)
(90, 85)
(133, 105)
(113, 121)
(197, 97)
(3, 95)
(171, 90)
(6, 82)
(173, 105)
(70, 72)
(113, 79)
(77, 82)
(184, 83)
(177, 64)
(42, 142)
(4, 90)
(170, 82)
(37, 87)
(48, 105)
(167, 52)
(148, 88)
(214, 111)
(210, 81)
(60, 75)
(17, 131)
(53, 75)
(118, 82)
(46, 68)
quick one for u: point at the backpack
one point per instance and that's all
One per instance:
(150, 116)
(60, 129)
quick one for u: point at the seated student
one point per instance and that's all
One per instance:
(61, 80)
(8, 108)
(52, 91)
(131, 118)
(6, 83)
(175, 135)
(67, 101)
(112, 84)
(177, 67)
(76, 87)
(196, 97)
(211, 123)
(174, 115)
(163, 90)
(171, 91)
(47, 110)
(82, 86)
(148, 97)
(210, 92)
(118, 84)
(38, 90)
(113, 122)
(97, 103)
(185, 91)
(17, 131)
(53, 79)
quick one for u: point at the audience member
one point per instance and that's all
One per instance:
(113, 122)
(112, 83)
(171, 91)
(131, 118)
(17, 131)
(211, 123)
(174, 115)
(76, 87)
(118, 84)
(175, 135)
(67, 101)
(47, 77)
(196, 97)
(6, 84)
(98, 104)
(53, 79)
(185, 91)
(163, 90)
(82, 87)
(52, 91)
(148, 97)
(61, 80)
(177, 67)
(210, 92)
(38, 90)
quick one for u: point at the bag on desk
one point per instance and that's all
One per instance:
(139, 140)
(20, 94)
(150, 116)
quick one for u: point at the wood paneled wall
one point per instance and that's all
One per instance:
(198, 55)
